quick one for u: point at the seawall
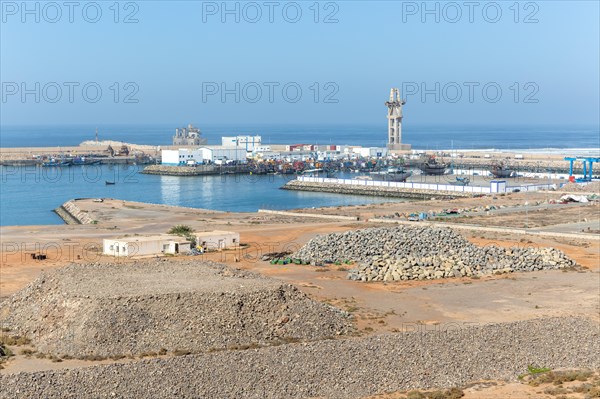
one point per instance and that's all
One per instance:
(198, 170)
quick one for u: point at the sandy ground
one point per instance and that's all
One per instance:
(377, 307)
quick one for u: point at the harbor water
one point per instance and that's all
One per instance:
(29, 194)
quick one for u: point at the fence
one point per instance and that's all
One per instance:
(423, 186)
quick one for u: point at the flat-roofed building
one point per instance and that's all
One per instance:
(216, 240)
(145, 245)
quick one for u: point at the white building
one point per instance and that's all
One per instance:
(329, 155)
(182, 156)
(208, 154)
(262, 148)
(145, 246)
(370, 152)
(268, 155)
(215, 240)
(221, 154)
(249, 143)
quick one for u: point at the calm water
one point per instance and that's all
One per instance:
(29, 194)
(421, 137)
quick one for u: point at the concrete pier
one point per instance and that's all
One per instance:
(406, 190)
(374, 191)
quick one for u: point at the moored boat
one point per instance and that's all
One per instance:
(432, 167)
(391, 174)
(501, 170)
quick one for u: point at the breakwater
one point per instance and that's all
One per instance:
(199, 170)
(72, 214)
(377, 191)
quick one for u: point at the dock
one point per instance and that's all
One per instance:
(406, 190)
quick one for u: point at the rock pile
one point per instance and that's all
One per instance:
(593, 187)
(448, 356)
(423, 252)
(131, 309)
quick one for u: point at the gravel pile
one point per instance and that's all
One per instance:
(131, 309)
(423, 252)
(348, 368)
(593, 187)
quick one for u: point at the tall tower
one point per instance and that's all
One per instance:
(395, 120)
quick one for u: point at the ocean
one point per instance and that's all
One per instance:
(421, 137)
(28, 195)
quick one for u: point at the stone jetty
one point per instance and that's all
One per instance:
(72, 214)
(198, 170)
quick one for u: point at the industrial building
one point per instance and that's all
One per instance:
(182, 156)
(369, 152)
(249, 143)
(216, 240)
(219, 154)
(145, 246)
(188, 136)
(202, 155)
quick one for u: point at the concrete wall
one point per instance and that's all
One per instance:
(493, 188)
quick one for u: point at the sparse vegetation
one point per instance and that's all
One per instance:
(184, 231)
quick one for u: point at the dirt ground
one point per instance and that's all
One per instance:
(376, 307)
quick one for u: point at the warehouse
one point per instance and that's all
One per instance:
(182, 156)
(219, 154)
(248, 143)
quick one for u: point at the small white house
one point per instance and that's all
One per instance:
(216, 240)
(145, 246)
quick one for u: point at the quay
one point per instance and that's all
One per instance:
(406, 190)
(198, 170)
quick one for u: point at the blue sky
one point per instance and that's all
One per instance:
(175, 52)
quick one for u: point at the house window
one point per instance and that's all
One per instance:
(111, 248)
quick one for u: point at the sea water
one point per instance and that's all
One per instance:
(29, 194)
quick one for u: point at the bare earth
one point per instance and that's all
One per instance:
(378, 307)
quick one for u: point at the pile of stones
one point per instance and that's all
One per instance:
(153, 306)
(449, 355)
(424, 253)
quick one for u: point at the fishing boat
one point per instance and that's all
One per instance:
(461, 181)
(109, 183)
(432, 167)
(501, 170)
(55, 163)
(79, 161)
(391, 174)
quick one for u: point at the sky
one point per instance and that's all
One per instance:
(145, 62)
